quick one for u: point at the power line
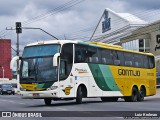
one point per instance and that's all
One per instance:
(54, 11)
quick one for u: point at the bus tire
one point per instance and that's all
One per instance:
(133, 97)
(47, 101)
(79, 95)
(109, 99)
(141, 94)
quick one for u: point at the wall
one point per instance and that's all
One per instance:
(5, 58)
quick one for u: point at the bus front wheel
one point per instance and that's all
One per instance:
(47, 101)
(79, 95)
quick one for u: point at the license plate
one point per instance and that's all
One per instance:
(35, 94)
(8, 91)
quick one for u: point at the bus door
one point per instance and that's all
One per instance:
(66, 83)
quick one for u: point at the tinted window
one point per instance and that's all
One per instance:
(138, 60)
(92, 55)
(41, 50)
(106, 57)
(80, 53)
(66, 60)
(116, 57)
(145, 62)
(128, 59)
(151, 62)
(120, 57)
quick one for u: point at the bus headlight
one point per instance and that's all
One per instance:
(52, 88)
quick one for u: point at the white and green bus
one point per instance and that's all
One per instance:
(67, 70)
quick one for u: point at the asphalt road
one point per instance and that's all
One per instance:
(15, 103)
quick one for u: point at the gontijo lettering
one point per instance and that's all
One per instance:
(126, 72)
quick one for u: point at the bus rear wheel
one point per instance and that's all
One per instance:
(141, 94)
(79, 95)
(109, 99)
(133, 97)
(47, 101)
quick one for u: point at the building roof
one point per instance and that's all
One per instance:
(132, 19)
(127, 23)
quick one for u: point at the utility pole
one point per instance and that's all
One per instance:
(18, 31)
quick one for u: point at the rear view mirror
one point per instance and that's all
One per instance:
(14, 59)
(55, 59)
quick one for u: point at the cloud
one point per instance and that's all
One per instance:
(76, 22)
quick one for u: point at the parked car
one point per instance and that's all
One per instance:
(14, 85)
(6, 89)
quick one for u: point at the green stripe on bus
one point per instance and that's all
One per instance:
(103, 77)
(109, 79)
(40, 85)
(98, 76)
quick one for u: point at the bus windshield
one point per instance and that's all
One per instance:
(37, 64)
(40, 51)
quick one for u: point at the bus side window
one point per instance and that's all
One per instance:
(151, 62)
(129, 59)
(138, 61)
(106, 57)
(92, 54)
(116, 58)
(80, 54)
(145, 62)
(120, 57)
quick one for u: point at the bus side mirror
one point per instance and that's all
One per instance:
(55, 59)
(14, 59)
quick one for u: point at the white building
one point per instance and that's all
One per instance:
(112, 26)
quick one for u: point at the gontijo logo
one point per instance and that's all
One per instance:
(81, 71)
(126, 72)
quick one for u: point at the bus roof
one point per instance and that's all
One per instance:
(53, 42)
(96, 44)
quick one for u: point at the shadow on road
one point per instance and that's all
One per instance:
(73, 103)
(66, 103)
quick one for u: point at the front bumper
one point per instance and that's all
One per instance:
(38, 94)
(8, 92)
